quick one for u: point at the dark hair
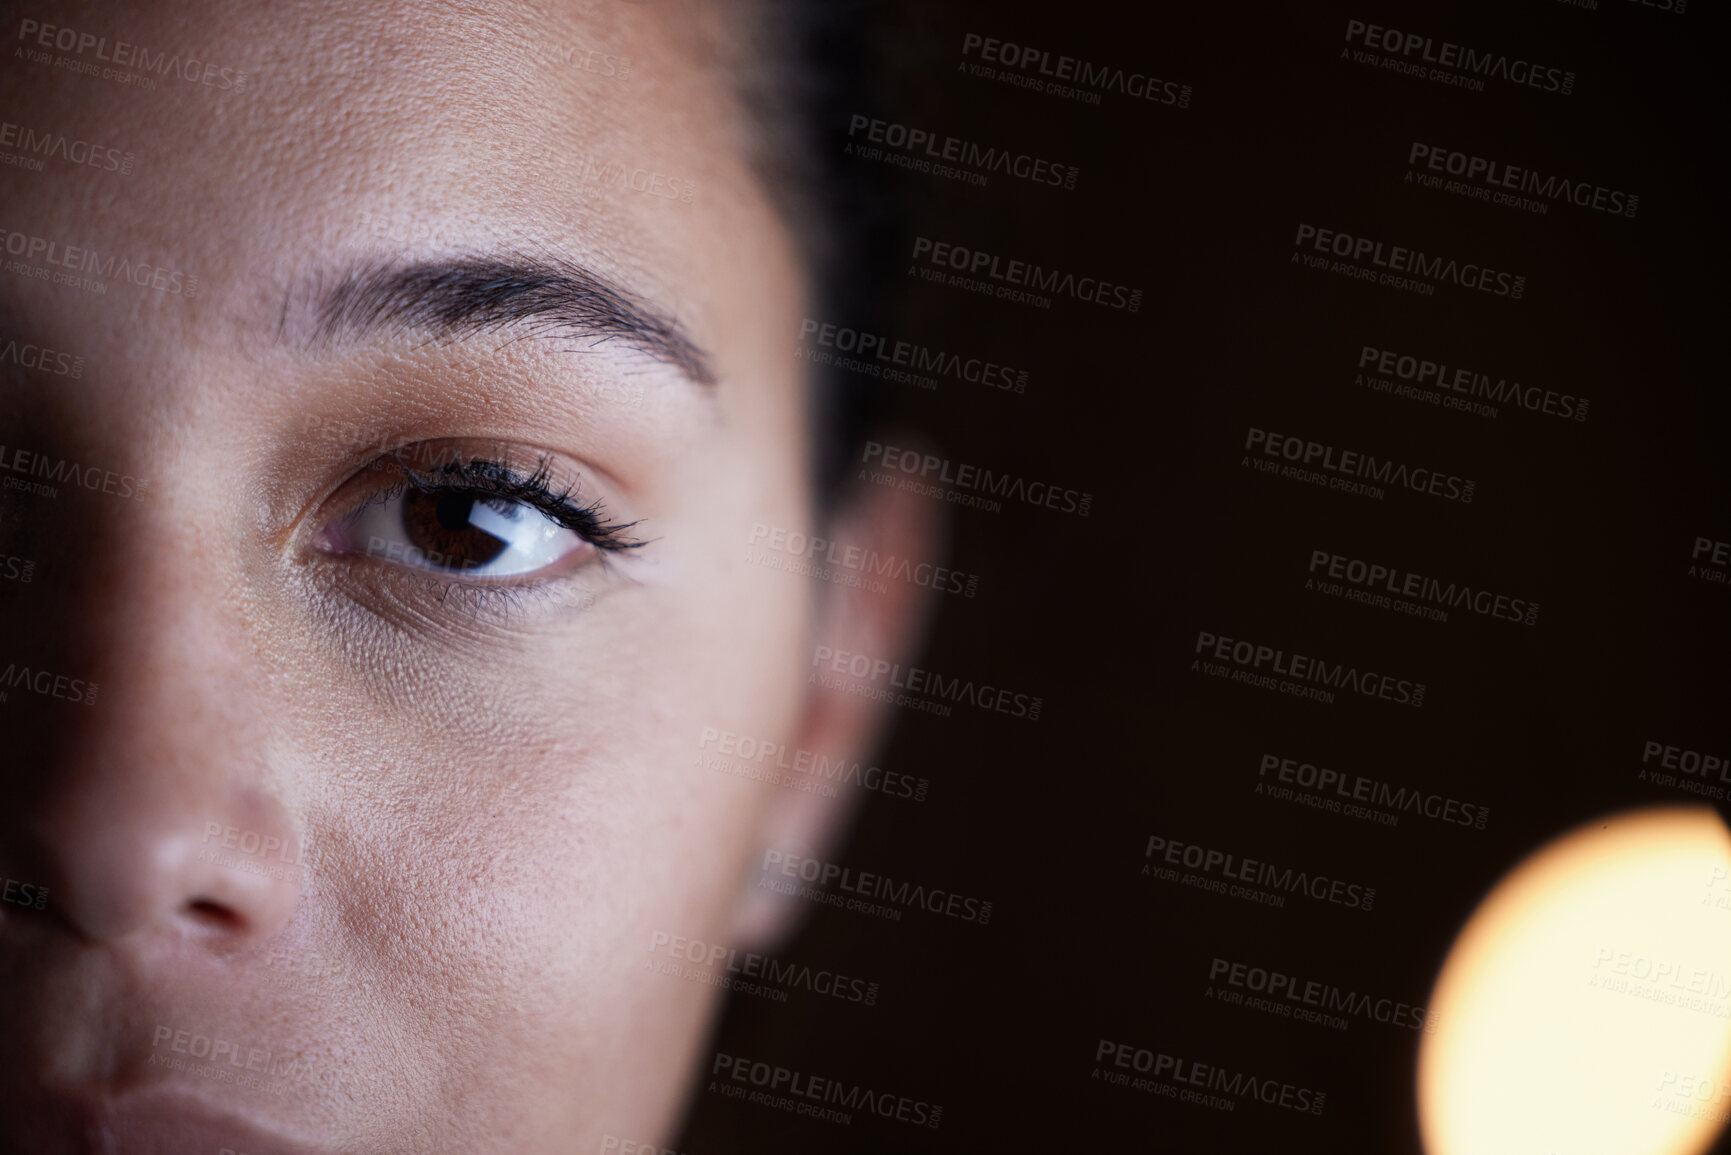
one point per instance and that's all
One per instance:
(809, 70)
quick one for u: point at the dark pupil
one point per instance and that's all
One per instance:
(453, 510)
(438, 525)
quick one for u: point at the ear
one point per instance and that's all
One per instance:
(886, 623)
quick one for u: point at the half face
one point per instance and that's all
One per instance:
(387, 554)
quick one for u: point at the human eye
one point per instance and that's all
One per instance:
(453, 510)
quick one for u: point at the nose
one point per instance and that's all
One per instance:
(135, 844)
(157, 810)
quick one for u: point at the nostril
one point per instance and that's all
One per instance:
(212, 914)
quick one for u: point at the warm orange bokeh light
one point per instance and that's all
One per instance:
(1586, 1007)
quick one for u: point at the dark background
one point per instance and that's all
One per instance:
(1148, 411)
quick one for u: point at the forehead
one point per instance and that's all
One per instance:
(266, 135)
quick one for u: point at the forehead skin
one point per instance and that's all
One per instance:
(506, 810)
(436, 124)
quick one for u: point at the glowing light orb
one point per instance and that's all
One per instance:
(1585, 1009)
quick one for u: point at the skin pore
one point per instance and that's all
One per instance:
(480, 794)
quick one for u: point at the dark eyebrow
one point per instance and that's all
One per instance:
(548, 296)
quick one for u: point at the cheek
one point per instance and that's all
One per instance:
(510, 933)
(554, 843)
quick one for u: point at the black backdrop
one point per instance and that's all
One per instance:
(1148, 411)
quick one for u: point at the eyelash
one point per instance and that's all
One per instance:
(495, 477)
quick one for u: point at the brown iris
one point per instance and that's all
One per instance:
(438, 524)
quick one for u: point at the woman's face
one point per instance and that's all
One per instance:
(361, 783)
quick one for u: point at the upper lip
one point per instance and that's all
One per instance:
(162, 1119)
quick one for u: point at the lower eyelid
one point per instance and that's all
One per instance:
(428, 608)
